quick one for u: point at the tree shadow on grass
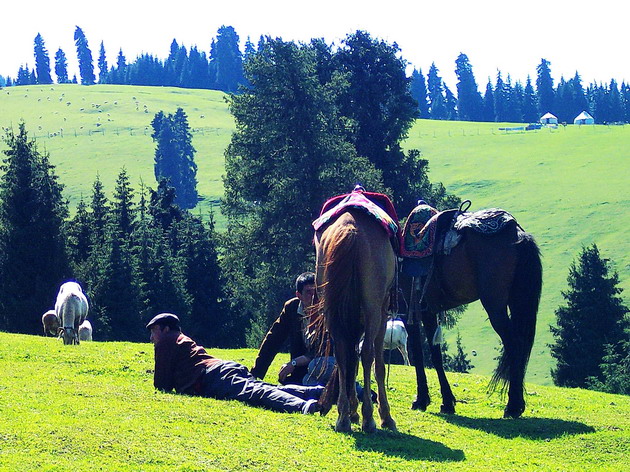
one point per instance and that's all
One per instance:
(530, 428)
(406, 446)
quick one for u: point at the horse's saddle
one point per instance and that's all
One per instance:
(428, 232)
(377, 205)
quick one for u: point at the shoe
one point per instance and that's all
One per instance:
(312, 407)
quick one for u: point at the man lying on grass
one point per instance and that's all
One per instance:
(182, 365)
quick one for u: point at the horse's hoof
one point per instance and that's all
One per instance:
(354, 418)
(389, 424)
(447, 409)
(507, 413)
(343, 426)
(369, 426)
(420, 405)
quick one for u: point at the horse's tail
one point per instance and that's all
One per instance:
(341, 300)
(524, 300)
(341, 297)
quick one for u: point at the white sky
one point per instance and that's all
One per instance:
(507, 35)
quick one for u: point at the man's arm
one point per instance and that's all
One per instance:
(163, 377)
(274, 339)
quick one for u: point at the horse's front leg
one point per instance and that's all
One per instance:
(423, 399)
(384, 409)
(367, 358)
(448, 399)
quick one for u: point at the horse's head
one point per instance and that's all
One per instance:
(69, 335)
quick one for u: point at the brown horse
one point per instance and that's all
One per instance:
(356, 268)
(501, 270)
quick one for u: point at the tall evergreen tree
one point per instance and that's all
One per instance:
(174, 155)
(123, 208)
(419, 93)
(544, 88)
(450, 103)
(436, 94)
(592, 318)
(488, 103)
(530, 111)
(379, 103)
(42, 61)
(501, 100)
(32, 210)
(84, 55)
(469, 101)
(290, 152)
(459, 362)
(23, 76)
(102, 65)
(61, 67)
(226, 60)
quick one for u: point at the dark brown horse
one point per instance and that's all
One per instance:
(356, 268)
(503, 271)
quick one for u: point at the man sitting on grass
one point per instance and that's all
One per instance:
(182, 365)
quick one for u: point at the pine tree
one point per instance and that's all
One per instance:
(61, 67)
(436, 94)
(174, 155)
(102, 65)
(32, 211)
(488, 103)
(419, 93)
(593, 317)
(469, 101)
(42, 61)
(290, 152)
(23, 76)
(79, 241)
(530, 111)
(226, 60)
(123, 208)
(544, 88)
(84, 55)
(501, 100)
(459, 362)
(450, 102)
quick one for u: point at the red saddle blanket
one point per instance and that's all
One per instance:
(374, 204)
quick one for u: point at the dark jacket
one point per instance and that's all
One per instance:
(288, 326)
(180, 363)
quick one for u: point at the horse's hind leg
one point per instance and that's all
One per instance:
(430, 324)
(423, 398)
(345, 371)
(507, 371)
(384, 409)
(367, 358)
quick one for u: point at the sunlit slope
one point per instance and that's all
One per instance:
(102, 128)
(567, 186)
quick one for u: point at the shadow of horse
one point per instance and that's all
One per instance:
(538, 429)
(406, 446)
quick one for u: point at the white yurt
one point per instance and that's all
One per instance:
(584, 118)
(549, 119)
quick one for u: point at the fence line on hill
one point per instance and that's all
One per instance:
(131, 131)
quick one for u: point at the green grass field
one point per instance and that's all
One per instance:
(93, 407)
(101, 129)
(568, 186)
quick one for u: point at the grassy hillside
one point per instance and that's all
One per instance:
(99, 129)
(567, 186)
(93, 407)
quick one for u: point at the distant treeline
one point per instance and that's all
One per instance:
(222, 69)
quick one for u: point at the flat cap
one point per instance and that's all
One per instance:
(164, 319)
